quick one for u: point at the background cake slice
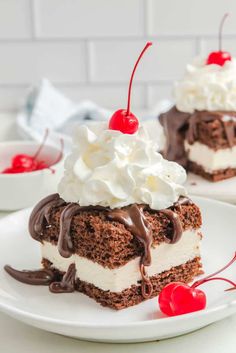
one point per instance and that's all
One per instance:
(201, 129)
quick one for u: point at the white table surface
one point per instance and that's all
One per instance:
(16, 337)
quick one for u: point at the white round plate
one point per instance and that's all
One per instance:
(224, 190)
(78, 316)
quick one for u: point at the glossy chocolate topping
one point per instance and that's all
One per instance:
(134, 220)
(65, 246)
(67, 284)
(179, 126)
(176, 227)
(175, 124)
(37, 277)
(41, 214)
(146, 285)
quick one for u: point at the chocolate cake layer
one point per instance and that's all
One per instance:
(133, 295)
(216, 129)
(109, 242)
(217, 175)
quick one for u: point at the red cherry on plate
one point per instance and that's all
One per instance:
(219, 57)
(178, 298)
(123, 120)
(186, 299)
(164, 298)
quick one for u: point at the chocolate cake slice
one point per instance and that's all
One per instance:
(120, 256)
(121, 226)
(200, 128)
(204, 142)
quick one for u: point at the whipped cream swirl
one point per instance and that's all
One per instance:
(207, 87)
(109, 168)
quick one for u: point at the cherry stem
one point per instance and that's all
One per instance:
(60, 153)
(132, 75)
(195, 285)
(221, 29)
(41, 145)
(229, 289)
(205, 279)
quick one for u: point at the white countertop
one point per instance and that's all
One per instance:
(18, 337)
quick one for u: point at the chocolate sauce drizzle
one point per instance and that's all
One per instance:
(41, 214)
(176, 226)
(179, 126)
(132, 217)
(38, 277)
(67, 284)
(65, 245)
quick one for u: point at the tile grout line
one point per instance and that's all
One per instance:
(87, 61)
(34, 19)
(32, 16)
(145, 17)
(160, 37)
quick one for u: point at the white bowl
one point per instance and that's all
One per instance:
(25, 189)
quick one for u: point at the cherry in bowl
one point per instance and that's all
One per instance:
(24, 189)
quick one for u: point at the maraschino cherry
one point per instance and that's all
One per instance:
(178, 298)
(123, 120)
(219, 57)
(23, 163)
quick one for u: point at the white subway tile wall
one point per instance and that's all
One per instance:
(87, 48)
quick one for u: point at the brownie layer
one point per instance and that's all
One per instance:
(133, 295)
(110, 243)
(217, 175)
(217, 130)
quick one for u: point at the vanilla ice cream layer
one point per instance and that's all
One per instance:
(209, 159)
(164, 257)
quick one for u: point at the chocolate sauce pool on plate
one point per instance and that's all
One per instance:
(36, 277)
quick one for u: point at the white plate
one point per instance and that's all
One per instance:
(224, 190)
(78, 316)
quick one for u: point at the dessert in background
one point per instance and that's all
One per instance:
(121, 226)
(201, 128)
